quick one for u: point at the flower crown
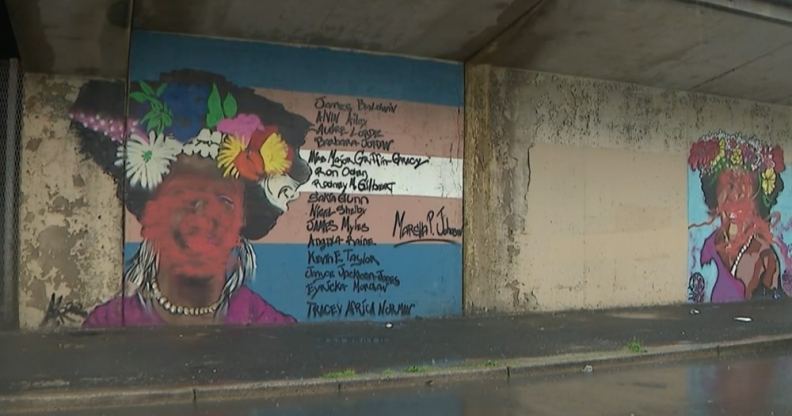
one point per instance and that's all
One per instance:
(713, 153)
(241, 145)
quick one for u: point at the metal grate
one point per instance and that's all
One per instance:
(10, 129)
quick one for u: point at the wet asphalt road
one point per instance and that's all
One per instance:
(758, 384)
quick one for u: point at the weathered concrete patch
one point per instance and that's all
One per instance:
(66, 248)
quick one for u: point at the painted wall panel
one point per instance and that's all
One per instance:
(738, 212)
(268, 184)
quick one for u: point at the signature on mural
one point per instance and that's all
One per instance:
(435, 226)
(208, 167)
(60, 312)
(740, 184)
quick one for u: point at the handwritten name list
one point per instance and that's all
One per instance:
(352, 157)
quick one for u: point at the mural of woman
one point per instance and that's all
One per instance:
(740, 181)
(207, 167)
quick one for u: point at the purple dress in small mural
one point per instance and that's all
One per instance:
(245, 307)
(727, 287)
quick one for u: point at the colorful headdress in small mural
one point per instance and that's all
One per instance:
(191, 114)
(715, 153)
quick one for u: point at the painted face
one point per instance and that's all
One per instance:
(736, 205)
(194, 222)
(281, 190)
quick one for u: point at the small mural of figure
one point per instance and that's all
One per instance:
(207, 168)
(740, 182)
(696, 288)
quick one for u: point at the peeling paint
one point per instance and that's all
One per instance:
(70, 242)
(33, 144)
(78, 180)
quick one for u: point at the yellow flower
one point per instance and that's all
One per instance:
(768, 181)
(736, 156)
(275, 153)
(229, 150)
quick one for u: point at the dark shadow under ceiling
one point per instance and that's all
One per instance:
(740, 49)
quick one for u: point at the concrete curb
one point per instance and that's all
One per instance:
(478, 369)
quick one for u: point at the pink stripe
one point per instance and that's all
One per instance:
(415, 128)
(379, 216)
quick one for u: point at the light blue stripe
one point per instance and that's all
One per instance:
(305, 69)
(430, 277)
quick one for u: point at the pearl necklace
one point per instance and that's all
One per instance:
(174, 309)
(740, 254)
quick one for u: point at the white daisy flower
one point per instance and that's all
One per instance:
(205, 144)
(148, 161)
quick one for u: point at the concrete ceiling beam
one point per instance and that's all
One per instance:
(671, 44)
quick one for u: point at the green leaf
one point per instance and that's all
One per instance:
(215, 113)
(167, 115)
(230, 106)
(161, 124)
(147, 117)
(161, 88)
(138, 96)
(146, 88)
(213, 119)
(151, 120)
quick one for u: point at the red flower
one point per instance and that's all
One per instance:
(777, 154)
(702, 153)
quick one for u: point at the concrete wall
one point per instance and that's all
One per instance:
(576, 189)
(70, 219)
(575, 194)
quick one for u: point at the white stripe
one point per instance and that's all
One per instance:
(383, 174)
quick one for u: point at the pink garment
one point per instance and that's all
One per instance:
(727, 288)
(244, 308)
